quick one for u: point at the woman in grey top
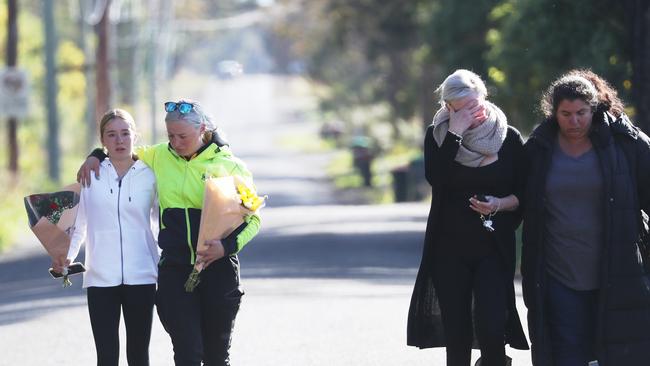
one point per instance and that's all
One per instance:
(584, 282)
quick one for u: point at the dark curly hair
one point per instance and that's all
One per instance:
(581, 84)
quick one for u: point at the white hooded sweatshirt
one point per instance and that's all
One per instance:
(115, 220)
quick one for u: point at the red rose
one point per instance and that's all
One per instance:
(54, 206)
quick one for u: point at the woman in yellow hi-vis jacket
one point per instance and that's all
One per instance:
(200, 322)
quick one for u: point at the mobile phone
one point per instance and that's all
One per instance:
(481, 197)
(73, 268)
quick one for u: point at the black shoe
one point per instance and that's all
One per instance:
(508, 361)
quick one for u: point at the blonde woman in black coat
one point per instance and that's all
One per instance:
(473, 161)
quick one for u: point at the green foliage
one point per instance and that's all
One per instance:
(375, 52)
(559, 35)
(456, 30)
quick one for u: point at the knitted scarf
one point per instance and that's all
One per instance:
(478, 143)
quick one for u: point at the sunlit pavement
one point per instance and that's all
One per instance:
(325, 284)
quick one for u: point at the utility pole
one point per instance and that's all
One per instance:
(89, 114)
(102, 64)
(154, 7)
(12, 56)
(161, 15)
(51, 88)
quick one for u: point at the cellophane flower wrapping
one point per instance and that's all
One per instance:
(221, 214)
(51, 218)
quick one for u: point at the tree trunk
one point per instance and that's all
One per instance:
(89, 113)
(12, 56)
(639, 14)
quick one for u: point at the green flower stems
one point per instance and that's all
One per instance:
(194, 279)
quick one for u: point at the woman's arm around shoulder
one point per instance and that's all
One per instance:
(145, 153)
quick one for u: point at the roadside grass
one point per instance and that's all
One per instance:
(10, 219)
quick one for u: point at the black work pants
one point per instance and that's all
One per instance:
(200, 323)
(457, 277)
(104, 307)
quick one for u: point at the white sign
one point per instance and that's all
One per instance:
(14, 93)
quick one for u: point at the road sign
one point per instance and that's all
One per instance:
(14, 93)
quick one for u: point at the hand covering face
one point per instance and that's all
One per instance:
(478, 143)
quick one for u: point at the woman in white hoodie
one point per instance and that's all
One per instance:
(114, 221)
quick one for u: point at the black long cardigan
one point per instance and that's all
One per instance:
(623, 328)
(424, 328)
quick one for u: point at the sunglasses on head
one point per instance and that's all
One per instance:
(182, 107)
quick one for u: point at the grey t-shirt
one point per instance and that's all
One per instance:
(574, 219)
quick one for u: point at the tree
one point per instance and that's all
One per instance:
(372, 52)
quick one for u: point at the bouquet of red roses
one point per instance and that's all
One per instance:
(51, 218)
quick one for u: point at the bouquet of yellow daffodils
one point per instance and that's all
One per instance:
(227, 200)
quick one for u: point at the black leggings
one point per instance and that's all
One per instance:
(457, 276)
(104, 305)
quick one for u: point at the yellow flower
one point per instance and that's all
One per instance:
(249, 197)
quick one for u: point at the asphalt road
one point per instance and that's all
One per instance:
(326, 284)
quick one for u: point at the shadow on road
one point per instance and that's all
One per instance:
(385, 257)
(27, 290)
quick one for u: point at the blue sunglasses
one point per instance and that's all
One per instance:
(183, 107)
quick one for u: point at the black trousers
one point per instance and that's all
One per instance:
(104, 305)
(200, 323)
(457, 277)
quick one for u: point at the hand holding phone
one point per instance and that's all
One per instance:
(483, 204)
(73, 268)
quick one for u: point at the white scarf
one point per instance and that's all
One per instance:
(479, 143)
